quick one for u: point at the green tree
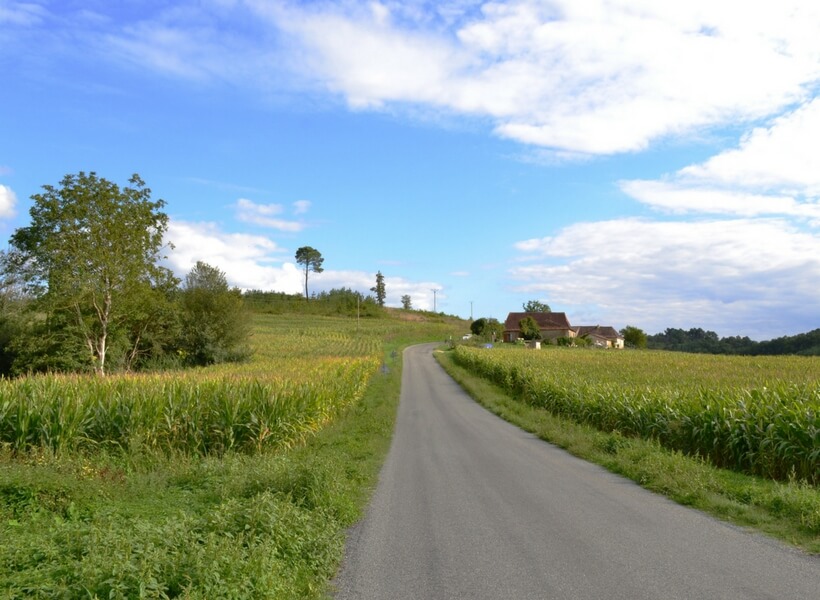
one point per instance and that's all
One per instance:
(406, 302)
(633, 337)
(536, 306)
(477, 326)
(12, 311)
(379, 289)
(487, 327)
(91, 253)
(311, 260)
(153, 326)
(215, 324)
(529, 329)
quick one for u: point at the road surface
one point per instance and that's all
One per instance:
(469, 506)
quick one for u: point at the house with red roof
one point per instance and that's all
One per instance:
(554, 325)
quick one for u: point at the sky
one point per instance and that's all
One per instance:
(628, 162)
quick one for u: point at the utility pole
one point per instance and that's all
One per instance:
(471, 310)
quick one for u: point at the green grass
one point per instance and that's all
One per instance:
(168, 523)
(789, 511)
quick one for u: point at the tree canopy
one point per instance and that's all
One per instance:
(634, 337)
(379, 289)
(215, 322)
(536, 306)
(529, 329)
(487, 327)
(90, 254)
(311, 260)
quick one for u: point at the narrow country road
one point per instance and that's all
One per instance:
(470, 507)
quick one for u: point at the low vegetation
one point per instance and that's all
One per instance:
(755, 415)
(157, 486)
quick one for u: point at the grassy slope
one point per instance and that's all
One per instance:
(242, 526)
(790, 512)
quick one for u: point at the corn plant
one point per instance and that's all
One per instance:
(757, 415)
(301, 377)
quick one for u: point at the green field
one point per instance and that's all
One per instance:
(238, 481)
(787, 510)
(232, 481)
(758, 415)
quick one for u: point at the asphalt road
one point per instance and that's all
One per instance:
(469, 506)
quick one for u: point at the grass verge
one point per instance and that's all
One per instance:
(147, 525)
(787, 511)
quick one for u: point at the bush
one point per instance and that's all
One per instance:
(215, 324)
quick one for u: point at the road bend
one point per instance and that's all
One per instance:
(469, 506)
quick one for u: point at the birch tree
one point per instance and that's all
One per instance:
(91, 253)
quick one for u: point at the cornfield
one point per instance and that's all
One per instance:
(302, 375)
(759, 415)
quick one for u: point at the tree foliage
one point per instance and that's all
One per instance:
(337, 301)
(529, 329)
(477, 326)
(634, 337)
(90, 255)
(487, 327)
(311, 260)
(699, 340)
(407, 302)
(215, 323)
(536, 306)
(379, 289)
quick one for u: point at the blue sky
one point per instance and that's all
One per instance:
(629, 162)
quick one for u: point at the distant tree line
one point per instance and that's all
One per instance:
(708, 342)
(342, 301)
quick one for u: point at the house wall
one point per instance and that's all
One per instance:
(554, 334)
(546, 334)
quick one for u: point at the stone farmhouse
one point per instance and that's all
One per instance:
(600, 336)
(554, 325)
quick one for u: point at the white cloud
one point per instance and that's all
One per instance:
(680, 198)
(774, 170)
(743, 276)
(22, 13)
(197, 41)
(420, 292)
(781, 156)
(249, 261)
(754, 273)
(266, 215)
(577, 76)
(256, 262)
(8, 202)
(300, 207)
